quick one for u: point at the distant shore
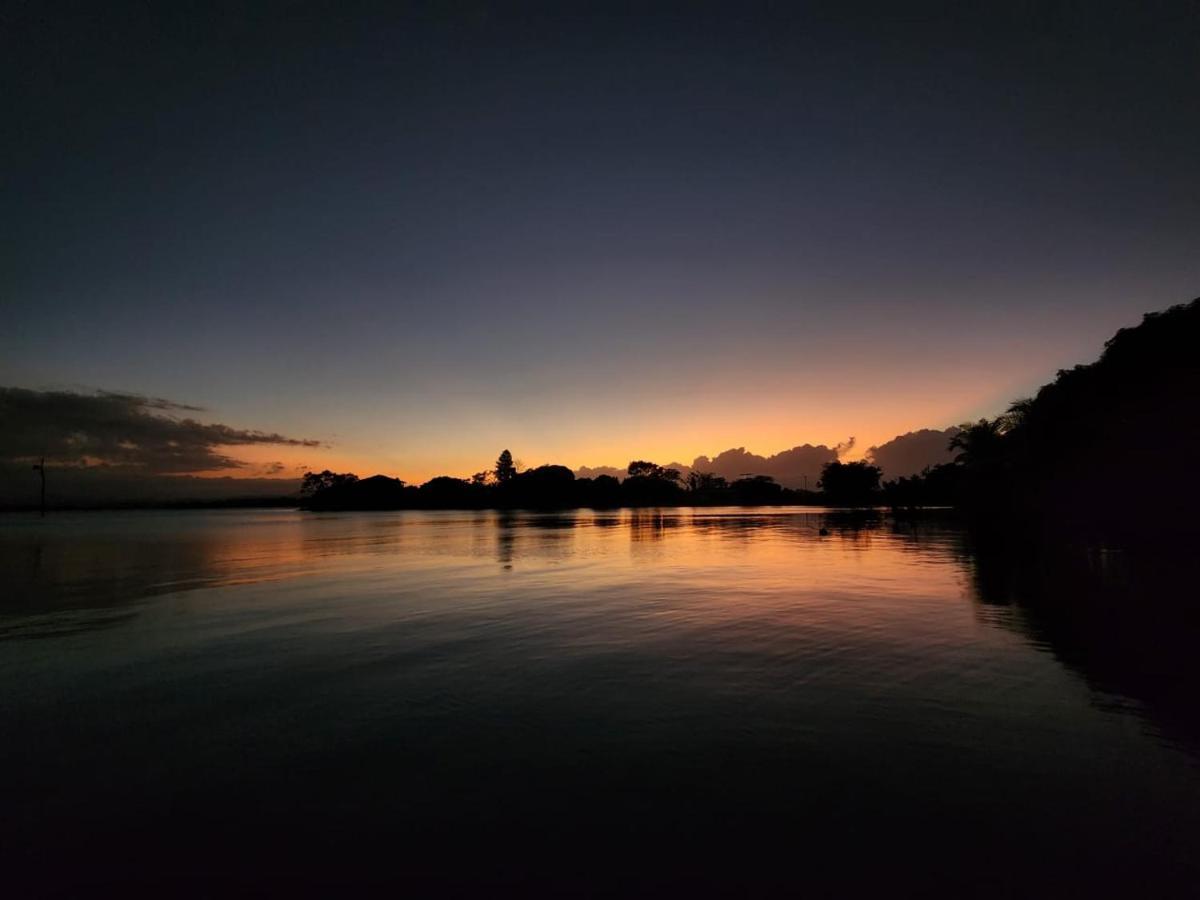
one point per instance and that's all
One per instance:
(297, 504)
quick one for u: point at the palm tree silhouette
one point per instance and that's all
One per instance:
(978, 443)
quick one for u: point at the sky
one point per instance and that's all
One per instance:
(402, 239)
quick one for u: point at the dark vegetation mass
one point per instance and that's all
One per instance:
(1106, 447)
(1103, 446)
(547, 487)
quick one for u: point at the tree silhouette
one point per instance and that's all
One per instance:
(505, 470)
(545, 487)
(852, 484)
(705, 481)
(756, 489)
(641, 468)
(1019, 412)
(316, 482)
(979, 443)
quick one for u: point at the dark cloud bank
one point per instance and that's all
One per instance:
(107, 447)
(909, 453)
(788, 467)
(905, 454)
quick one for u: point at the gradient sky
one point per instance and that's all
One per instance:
(589, 233)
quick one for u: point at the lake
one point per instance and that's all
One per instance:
(631, 702)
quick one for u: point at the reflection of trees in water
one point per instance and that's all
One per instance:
(1125, 622)
(650, 525)
(544, 535)
(855, 527)
(552, 534)
(552, 521)
(505, 537)
(482, 534)
(852, 521)
(648, 529)
(737, 527)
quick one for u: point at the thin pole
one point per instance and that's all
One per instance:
(41, 470)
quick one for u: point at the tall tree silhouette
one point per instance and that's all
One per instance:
(505, 470)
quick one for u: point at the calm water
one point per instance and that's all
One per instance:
(631, 702)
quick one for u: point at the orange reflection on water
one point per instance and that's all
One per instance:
(677, 569)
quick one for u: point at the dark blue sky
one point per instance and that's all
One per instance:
(590, 232)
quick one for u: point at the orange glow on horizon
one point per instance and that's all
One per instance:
(685, 444)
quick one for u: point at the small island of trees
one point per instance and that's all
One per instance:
(556, 487)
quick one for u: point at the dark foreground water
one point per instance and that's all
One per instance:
(646, 702)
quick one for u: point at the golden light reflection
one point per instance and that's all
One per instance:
(684, 568)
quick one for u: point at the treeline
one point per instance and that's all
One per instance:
(548, 487)
(1107, 446)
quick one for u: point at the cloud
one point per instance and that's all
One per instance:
(146, 402)
(909, 453)
(797, 467)
(123, 431)
(791, 468)
(623, 472)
